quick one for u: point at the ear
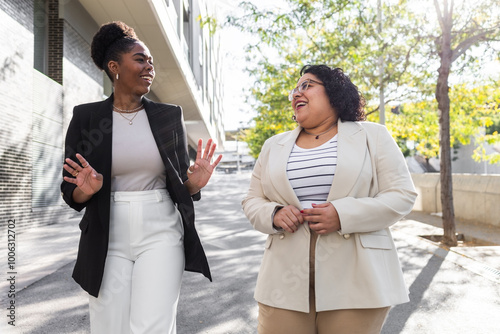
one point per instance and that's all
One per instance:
(113, 67)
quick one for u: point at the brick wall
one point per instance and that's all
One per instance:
(23, 108)
(16, 66)
(55, 41)
(19, 10)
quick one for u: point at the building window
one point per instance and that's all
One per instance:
(48, 32)
(41, 32)
(186, 30)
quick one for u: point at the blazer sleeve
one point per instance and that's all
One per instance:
(182, 152)
(258, 208)
(73, 138)
(394, 191)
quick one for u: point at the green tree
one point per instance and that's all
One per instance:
(463, 26)
(474, 111)
(339, 33)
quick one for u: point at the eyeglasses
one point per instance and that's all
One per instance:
(302, 88)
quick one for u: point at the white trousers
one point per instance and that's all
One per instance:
(144, 266)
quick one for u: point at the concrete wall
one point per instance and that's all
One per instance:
(476, 198)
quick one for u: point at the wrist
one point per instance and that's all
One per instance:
(277, 228)
(193, 189)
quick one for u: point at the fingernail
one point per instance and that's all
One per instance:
(301, 211)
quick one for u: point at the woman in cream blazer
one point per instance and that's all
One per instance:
(355, 265)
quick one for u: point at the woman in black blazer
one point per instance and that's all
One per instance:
(127, 165)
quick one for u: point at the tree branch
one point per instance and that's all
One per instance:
(466, 44)
(439, 15)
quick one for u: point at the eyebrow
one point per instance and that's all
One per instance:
(142, 55)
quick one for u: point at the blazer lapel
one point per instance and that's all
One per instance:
(278, 159)
(159, 121)
(350, 158)
(163, 129)
(100, 135)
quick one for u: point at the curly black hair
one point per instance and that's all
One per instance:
(344, 96)
(110, 42)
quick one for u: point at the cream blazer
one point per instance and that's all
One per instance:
(358, 267)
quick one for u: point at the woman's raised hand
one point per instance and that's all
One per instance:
(84, 176)
(199, 174)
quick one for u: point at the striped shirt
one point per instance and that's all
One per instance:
(311, 171)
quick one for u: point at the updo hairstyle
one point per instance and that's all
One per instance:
(110, 42)
(344, 96)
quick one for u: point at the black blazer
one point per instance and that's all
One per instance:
(90, 134)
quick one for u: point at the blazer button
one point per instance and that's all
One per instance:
(282, 235)
(346, 236)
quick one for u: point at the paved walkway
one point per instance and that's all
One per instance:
(452, 290)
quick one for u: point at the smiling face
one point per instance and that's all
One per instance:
(312, 106)
(135, 70)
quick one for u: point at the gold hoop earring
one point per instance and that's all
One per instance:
(294, 118)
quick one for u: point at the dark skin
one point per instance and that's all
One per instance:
(136, 73)
(315, 114)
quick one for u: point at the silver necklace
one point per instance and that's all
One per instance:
(322, 133)
(130, 120)
(128, 111)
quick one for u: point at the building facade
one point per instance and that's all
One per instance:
(46, 69)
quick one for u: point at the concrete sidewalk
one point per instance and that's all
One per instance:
(48, 301)
(40, 251)
(481, 245)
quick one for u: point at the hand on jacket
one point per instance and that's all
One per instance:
(323, 218)
(199, 174)
(288, 218)
(86, 178)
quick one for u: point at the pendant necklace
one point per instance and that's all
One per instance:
(129, 119)
(121, 112)
(322, 133)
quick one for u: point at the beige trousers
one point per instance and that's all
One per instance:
(352, 321)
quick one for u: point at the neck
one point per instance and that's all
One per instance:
(320, 130)
(126, 102)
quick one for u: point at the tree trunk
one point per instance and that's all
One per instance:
(449, 237)
(443, 99)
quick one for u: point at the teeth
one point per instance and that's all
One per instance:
(300, 104)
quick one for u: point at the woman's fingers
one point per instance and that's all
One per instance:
(72, 164)
(216, 162)
(289, 218)
(199, 148)
(75, 166)
(211, 149)
(70, 179)
(207, 151)
(82, 160)
(73, 171)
